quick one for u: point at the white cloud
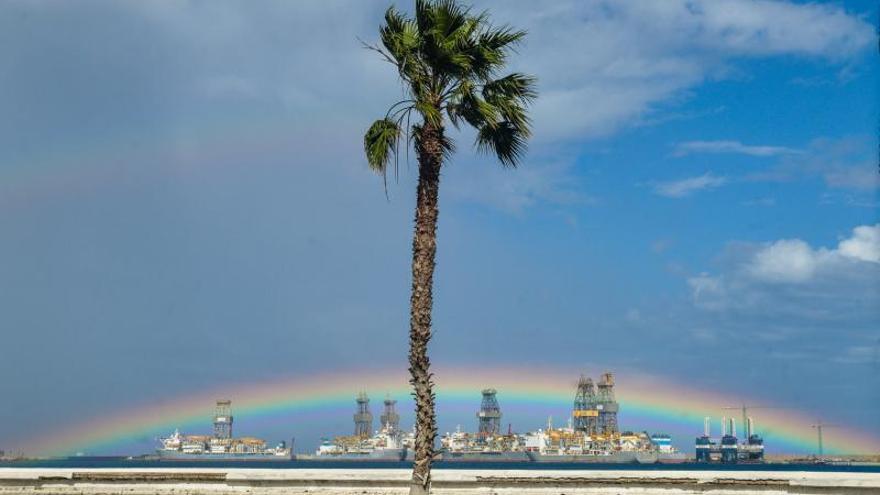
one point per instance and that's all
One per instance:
(689, 147)
(863, 176)
(604, 65)
(793, 278)
(793, 260)
(787, 260)
(864, 244)
(764, 27)
(844, 163)
(538, 181)
(704, 283)
(847, 163)
(686, 187)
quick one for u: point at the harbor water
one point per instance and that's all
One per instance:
(87, 462)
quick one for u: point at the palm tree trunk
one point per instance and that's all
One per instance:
(430, 153)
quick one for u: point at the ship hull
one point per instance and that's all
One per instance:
(612, 458)
(447, 456)
(375, 455)
(173, 455)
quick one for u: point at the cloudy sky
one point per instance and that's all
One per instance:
(184, 203)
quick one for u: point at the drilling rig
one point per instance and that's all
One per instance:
(607, 407)
(584, 413)
(363, 418)
(389, 419)
(489, 415)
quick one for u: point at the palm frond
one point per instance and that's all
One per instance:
(423, 14)
(490, 49)
(511, 95)
(380, 143)
(430, 112)
(466, 104)
(501, 38)
(505, 140)
(400, 37)
(513, 86)
(448, 17)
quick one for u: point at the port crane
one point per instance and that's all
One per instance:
(818, 427)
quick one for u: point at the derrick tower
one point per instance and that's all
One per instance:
(363, 418)
(584, 412)
(489, 415)
(223, 420)
(389, 418)
(607, 406)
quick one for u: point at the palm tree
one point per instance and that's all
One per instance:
(448, 59)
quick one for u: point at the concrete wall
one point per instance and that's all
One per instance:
(192, 481)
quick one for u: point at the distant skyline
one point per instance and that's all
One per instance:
(184, 205)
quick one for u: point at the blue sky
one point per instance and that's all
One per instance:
(182, 190)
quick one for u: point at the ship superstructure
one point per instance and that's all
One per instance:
(221, 445)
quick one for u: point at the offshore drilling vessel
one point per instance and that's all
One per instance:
(488, 444)
(593, 434)
(387, 444)
(221, 445)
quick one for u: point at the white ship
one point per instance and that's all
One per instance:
(592, 434)
(462, 446)
(570, 445)
(205, 447)
(221, 446)
(389, 443)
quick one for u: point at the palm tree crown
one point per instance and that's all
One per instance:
(448, 58)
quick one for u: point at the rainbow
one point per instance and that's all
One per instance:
(642, 398)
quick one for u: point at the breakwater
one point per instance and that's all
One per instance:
(195, 481)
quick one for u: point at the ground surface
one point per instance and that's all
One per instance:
(195, 481)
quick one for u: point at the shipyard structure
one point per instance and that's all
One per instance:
(728, 449)
(221, 445)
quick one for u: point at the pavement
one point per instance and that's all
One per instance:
(222, 481)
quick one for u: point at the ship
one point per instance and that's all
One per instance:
(379, 447)
(488, 444)
(593, 436)
(178, 447)
(567, 445)
(389, 443)
(221, 445)
(461, 446)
